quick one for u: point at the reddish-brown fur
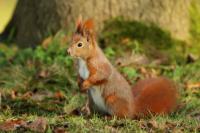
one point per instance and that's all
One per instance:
(154, 95)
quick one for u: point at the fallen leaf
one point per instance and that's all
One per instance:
(41, 95)
(12, 125)
(43, 74)
(143, 70)
(13, 94)
(27, 95)
(148, 73)
(59, 95)
(39, 125)
(60, 130)
(193, 85)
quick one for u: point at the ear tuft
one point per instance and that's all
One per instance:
(89, 25)
(79, 24)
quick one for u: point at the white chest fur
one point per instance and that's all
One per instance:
(82, 69)
(94, 93)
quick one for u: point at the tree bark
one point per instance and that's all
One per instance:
(35, 19)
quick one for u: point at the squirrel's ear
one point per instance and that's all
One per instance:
(89, 29)
(79, 24)
(89, 25)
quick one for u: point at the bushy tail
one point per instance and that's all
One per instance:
(155, 95)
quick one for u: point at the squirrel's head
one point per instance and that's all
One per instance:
(83, 41)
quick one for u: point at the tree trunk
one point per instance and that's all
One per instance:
(35, 19)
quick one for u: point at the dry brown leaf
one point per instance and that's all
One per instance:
(12, 125)
(193, 85)
(43, 74)
(13, 94)
(148, 73)
(59, 130)
(37, 96)
(153, 73)
(41, 95)
(143, 70)
(27, 95)
(39, 125)
(59, 95)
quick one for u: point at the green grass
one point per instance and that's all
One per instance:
(44, 71)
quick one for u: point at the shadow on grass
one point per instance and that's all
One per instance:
(118, 28)
(125, 36)
(20, 106)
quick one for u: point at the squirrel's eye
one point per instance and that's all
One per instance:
(79, 44)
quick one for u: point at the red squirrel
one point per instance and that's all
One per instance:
(108, 91)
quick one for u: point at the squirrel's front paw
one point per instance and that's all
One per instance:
(85, 85)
